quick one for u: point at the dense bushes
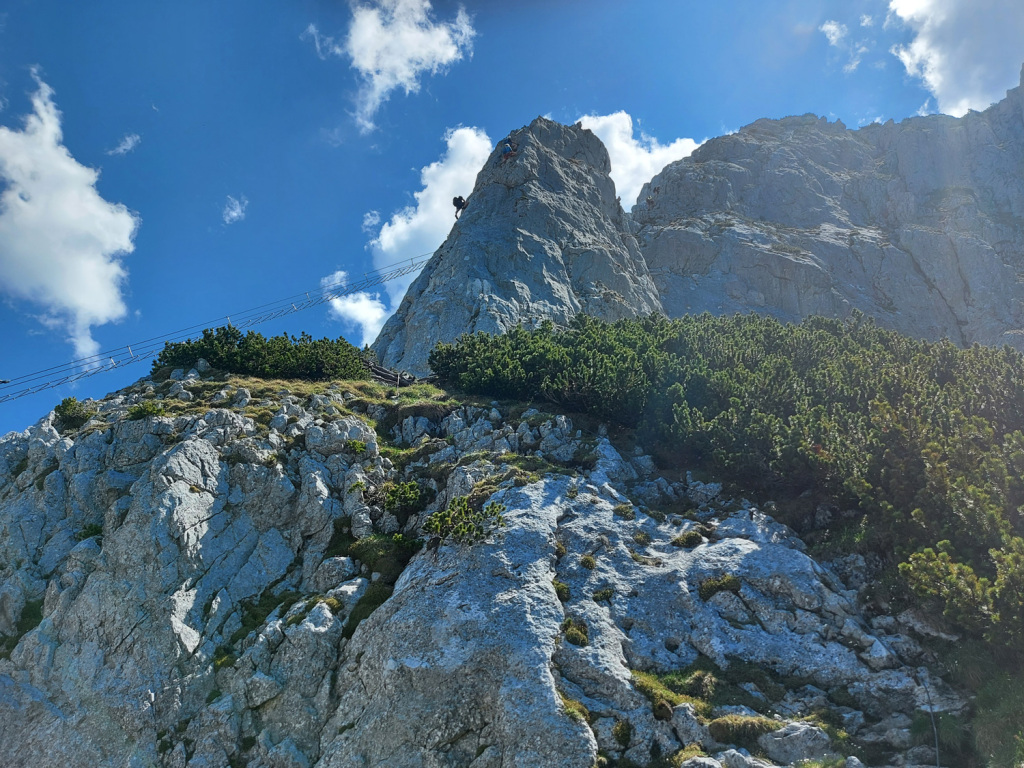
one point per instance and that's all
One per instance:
(923, 441)
(279, 357)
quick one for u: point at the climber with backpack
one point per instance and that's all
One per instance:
(460, 205)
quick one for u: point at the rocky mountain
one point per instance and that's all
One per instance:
(919, 224)
(543, 237)
(222, 585)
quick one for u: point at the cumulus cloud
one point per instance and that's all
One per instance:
(634, 162)
(420, 228)
(360, 310)
(60, 242)
(391, 44)
(965, 52)
(128, 144)
(834, 31)
(234, 209)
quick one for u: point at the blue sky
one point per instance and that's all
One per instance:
(164, 165)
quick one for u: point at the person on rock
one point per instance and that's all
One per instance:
(507, 151)
(460, 205)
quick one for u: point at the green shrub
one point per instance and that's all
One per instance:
(145, 409)
(623, 733)
(605, 593)
(461, 524)
(92, 529)
(387, 555)
(715, 584)
(279, 357)
(642, 538)
(741, 730)
(576, 631)
(358, 447)
(588, 562)
(72, 414)
(625, 511)
(575, 710)
(687, 540)
(561, 590)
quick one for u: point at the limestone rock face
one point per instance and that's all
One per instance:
(917, 224)
(174, 593)
(543, 238)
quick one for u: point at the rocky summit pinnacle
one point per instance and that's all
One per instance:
(917, 223)
(543, 237)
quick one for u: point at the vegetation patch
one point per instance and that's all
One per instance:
(145, 409)
(651, 686)
(575, 631)
(712, 586)
(589, 562)
(687, 540)
(458, 522)
(386, 555)
(72, 414)
(741, 730)
(561, 590)
(623, 733)
(31, 617)
(90, 530)
(374, 597)
(279, 357)
(574, 710)
(605, 593)
(255, 612)
(625, 511)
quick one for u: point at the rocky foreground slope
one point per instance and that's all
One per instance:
(919, 224)
(173, 593)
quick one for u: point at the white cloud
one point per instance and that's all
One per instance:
(834, 31)
(634, 162)
(419, 229)
(360, 310)
(965, 52)
(867, 21)
(128, 144)
(234, 209)
(391, 43)
(371, 220)
(60, 242)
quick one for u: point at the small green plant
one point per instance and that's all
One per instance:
(741, 730)
(72, 414)
(712, 586)
(92, 529)
(572, 491)
(642, 538)
(459, 523)
(561, 590)
(560, 549)
(605, 593)
(576, 631)
(625, 511)
(145, 409)
(358, 447)
(623, 733)
(358, 485)
(687, 540)
(574, 709)
(589, 562)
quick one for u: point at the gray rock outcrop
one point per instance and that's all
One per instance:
(919, 224)
(173, 595)
(543, 238)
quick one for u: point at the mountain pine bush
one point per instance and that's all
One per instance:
(279, 357)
